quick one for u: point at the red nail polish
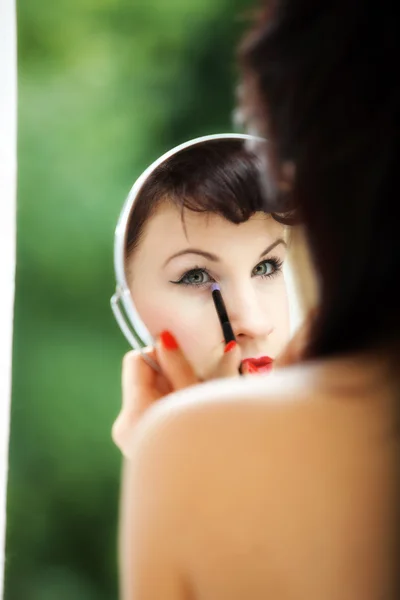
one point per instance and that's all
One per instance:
(168, 340)
(230, 346)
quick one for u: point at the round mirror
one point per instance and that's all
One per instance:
(195, 218)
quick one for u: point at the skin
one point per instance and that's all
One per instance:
(274, 487)
(252, 285)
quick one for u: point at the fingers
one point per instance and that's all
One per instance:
(138, 378)
(178, 370)
(173, 363)
(122, 429)
(141, 387)
(229, 364)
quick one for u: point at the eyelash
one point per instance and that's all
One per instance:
(276, 263)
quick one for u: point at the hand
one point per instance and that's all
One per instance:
(142, 386)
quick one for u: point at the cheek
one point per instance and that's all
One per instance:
(191, 320)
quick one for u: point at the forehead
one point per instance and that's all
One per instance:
(167, 231)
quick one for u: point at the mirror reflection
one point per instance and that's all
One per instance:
(199, 219)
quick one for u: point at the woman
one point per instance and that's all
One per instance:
(287, 487)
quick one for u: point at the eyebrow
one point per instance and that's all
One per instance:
(272, 246)
(214, 257)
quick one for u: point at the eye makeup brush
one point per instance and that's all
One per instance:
(222, 313)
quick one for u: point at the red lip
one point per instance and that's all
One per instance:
(258, 365)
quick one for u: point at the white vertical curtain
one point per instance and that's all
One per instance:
(8, 169)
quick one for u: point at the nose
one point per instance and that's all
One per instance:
(249, 313)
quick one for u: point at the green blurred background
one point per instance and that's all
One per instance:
(105, 86)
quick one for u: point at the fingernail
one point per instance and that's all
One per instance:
(168, 341)
(230, 346)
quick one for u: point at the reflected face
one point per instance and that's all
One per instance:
(171, 272)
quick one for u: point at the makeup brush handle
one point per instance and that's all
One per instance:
(227, 330)
(229, 336)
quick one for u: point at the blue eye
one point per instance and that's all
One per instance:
(267, 268)
(195, 278)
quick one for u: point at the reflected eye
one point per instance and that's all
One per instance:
(264, 268)
(267, 268)
(195, 278)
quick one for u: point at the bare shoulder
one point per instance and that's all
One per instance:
(233, 442)
(201, 456)
(211, 420)
(274, 469)
(284, 420)
(273, 416)
(272, 406)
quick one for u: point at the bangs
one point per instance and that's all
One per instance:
(219, 177)
(222, 177)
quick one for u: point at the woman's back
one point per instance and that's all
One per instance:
(289, 495)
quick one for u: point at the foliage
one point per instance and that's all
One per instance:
(105, 86)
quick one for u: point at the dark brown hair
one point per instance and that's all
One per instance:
(319, 80)
(216, 176)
